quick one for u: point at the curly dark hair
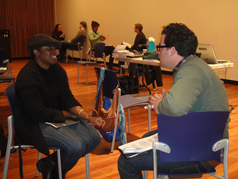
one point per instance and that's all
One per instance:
(181, 37)
(94, 24)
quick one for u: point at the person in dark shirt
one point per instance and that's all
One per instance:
(140, 37)
(80, 38)
(43, 96)
(57, 33)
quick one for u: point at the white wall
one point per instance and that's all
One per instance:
(213, 21)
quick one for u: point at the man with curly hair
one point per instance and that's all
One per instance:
(195, 88)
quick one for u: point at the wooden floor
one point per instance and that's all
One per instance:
(103, 164)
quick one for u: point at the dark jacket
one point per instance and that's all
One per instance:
(32, 100)
(140, 39)
(56, 35)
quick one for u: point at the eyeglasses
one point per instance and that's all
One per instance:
(158, 47)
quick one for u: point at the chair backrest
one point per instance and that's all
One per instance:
(191, 136)
(10, 93)
(99, 49)
(110, 81)
(2, 57)
(82, 39)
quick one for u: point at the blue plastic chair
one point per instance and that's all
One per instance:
(197, 136)
(127, 101)
(110, 83)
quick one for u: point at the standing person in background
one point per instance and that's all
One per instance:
(57, 33)
(73, 44)
(96, 37)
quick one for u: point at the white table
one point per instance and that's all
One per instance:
(154, 62)
(157, 62)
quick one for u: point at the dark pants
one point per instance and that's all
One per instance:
(75, 141)
(64, 47)
(131, 168)
(108, 50)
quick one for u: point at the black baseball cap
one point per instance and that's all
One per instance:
(38, 40)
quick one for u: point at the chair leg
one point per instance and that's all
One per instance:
(59, 164)
(128, 116)
(149, 119)
(37, 172)
(78, 74)
(8, 150)
(117, 120)
(67, 57)
(87, 166)
(87, 74)
(114, 137)
(145, 174)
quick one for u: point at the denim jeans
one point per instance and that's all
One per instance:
(131, 168)
(74, 140)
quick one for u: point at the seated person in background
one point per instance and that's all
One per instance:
(43, 95)
(140, 37)
(195, 88)
(73, 44)
(57, 33)
(96, 37)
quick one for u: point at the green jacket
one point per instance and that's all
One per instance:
(94, 38)
(195, 88)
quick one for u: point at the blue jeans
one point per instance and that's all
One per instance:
(74, 140)
(131, 168)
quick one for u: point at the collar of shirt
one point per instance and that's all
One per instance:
(181, 63)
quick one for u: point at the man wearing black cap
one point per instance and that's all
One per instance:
(73, 44)
(43, 95)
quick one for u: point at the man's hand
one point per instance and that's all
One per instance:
(156, 99)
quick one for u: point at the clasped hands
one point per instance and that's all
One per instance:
(104, 36)
(95, 121)
(156, 99)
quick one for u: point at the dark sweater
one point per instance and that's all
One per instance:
(140, 39)
(35, 103)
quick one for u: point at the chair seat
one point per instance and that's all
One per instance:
(6, 78)
(132, 100)
(87, 63)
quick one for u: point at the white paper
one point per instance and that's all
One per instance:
(140, 145)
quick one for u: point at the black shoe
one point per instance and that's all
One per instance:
(46, 166)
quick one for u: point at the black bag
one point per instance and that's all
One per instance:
(128, 85)
(3, 142)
